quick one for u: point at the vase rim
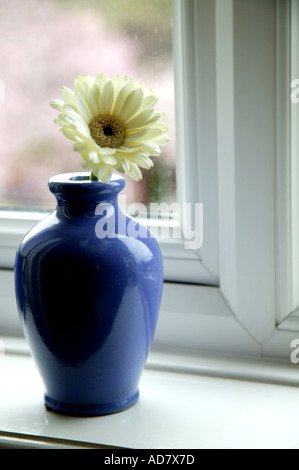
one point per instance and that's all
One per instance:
(82, 177)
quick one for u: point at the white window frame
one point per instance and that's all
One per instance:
(237, 294)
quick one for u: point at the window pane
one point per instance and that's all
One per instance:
(44, 44)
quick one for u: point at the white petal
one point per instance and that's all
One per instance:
(131, 169)
(75, 121)
(101, 80)
(57, 104)
(142, 161)
(121, 97)
(162, 140)
(152, 149)
(139, 120)
(93, 156)
(131, 105)
(61, 121)
(72, 116)
(68, 95)
(105, 150)
(69, 133)
(79, 147)
(81, 80)
(134, 172)
(129, 148)
(85, 164)
(83, 108)
(162, 126)
(95, 100)
(126, 166)
(153, 133)
(107, 97)
(120, 81)
(109, 159)
(136, 136)
(103, 172)
(83, 129)
(149, 102)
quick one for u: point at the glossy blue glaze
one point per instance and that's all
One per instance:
(88, 305)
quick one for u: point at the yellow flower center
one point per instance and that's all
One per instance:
(107, 131)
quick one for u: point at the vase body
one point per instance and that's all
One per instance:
(88, 295)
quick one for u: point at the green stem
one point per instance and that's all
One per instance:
(93, 177)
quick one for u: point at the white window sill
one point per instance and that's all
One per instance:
(185, 402)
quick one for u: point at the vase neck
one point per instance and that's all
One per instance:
(77, 196)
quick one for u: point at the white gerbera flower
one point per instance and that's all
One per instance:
(113, 124)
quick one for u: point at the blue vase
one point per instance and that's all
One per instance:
(88, 287)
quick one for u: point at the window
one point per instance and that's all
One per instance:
(236, 152)
(288, 170)
(45, 45)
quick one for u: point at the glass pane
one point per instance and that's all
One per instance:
(44, 44)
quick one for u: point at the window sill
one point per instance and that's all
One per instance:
(186, 402)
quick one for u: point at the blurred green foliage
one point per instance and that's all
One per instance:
(160, 183)
(147, 21)
(120, 13)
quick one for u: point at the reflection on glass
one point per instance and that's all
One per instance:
(44, 44)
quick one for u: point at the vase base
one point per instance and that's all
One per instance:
(77, 409)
